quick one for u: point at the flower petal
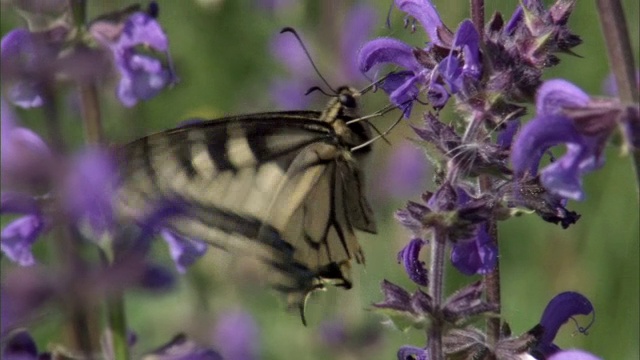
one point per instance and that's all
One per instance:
(408, 352)
(20, 346)
(387, 50)
(554, 95)
(409, 256)
(425, 12)
(573, 354)
(184, 251)
(559, 310)
(18, 237)
(475, 256)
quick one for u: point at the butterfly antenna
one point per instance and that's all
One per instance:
(366, 143)
(317, 88)
(304, 48)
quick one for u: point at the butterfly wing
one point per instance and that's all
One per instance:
(278, 186)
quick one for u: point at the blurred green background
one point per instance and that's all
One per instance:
(221, 52)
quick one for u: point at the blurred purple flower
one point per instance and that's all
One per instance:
(184, 251)
(359, 23)
(560, 309)
(405, 172)
(565, 115)
(90, 190)
(28, 61)
(236, 335)
(141, 76)
(26, 159)
(23, 291)
(21, 346)
(409, 256)
(290, 94)
(333, 333)
(20, 234)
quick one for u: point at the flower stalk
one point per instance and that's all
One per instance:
(436, 290)
(621, 62)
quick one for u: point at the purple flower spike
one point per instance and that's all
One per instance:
(409, 257)
(559, 310)
(573, 355)
(184, 251)
(20, 234)
(412, 353)
(141, 77)
(236, 335)
(475, 256)
(425, 12)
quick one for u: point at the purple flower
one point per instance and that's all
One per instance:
(573, 354)
(445, 67)
(237, 336)
(141, 76)
(477, 255)
(26, 159)
(28, 61)
(290, 94)
(409, 257)
(20, 234)
(184, 251)
(560, 309)
(20, 346)
(425, 12)
(565, 115)
(408, 352)
(90, 190)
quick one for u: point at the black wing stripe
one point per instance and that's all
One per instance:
(216, 145)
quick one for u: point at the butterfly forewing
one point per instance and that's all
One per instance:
(282, 187)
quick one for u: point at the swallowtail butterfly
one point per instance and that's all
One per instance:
(284, 187)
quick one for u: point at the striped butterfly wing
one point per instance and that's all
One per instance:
(282, 187)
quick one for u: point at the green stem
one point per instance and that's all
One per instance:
(116, 318)
(91, 114)
(436, 289)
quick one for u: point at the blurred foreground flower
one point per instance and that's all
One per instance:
(237, 336)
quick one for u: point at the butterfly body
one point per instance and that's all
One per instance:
(283, 187)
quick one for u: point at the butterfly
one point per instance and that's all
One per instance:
(283, 187)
